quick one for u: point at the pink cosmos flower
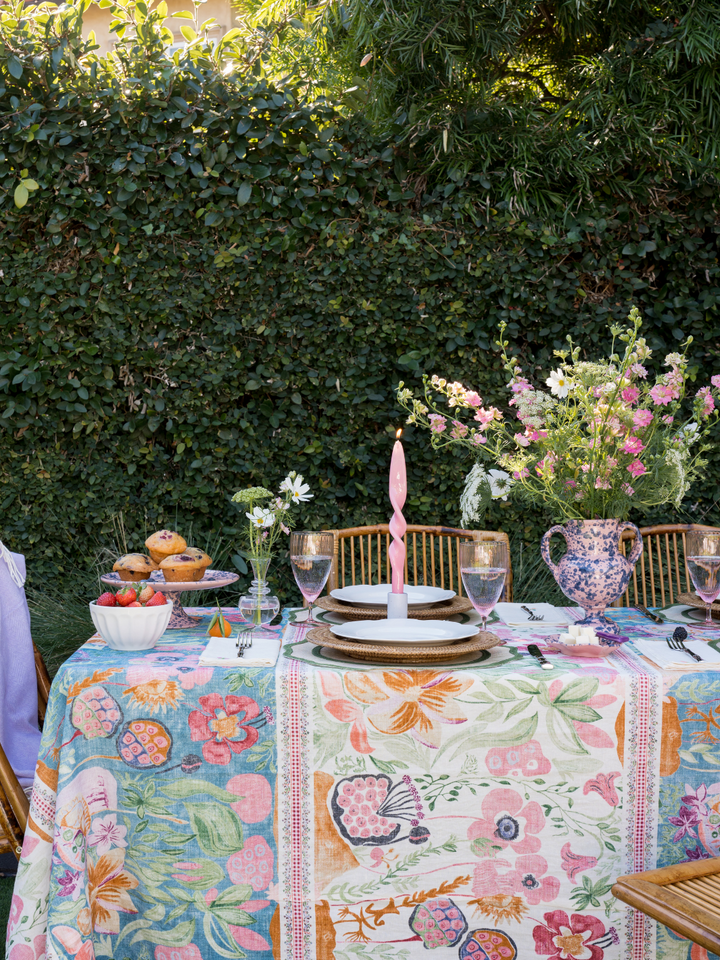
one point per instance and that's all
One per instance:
(479, 438)
(662, 394)
(642, 418)
(522, 440)
(473, 399)
(637, 468)
(633, 446)
(484, 416)
(630, 394)
(459, 430)
(639, 370)
(506, 822)
(437, 423)
(715, 381)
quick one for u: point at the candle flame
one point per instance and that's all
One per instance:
(398, 433)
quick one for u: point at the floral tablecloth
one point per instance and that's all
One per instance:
(329, 809)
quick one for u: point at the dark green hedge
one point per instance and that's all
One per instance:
(213, 284)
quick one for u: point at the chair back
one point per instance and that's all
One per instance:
(661, 573)
(432, 556)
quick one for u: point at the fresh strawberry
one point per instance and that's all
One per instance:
(147, 593)
(106, 599)
(125, 596)
(134, 604)
(157, 601)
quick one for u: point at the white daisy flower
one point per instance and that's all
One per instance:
(261, 517)
(558, 383)
(298, 490)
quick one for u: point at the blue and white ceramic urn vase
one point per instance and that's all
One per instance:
(593, 573)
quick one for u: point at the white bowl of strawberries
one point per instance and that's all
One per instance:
(134, 618)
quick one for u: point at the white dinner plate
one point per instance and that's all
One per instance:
(421, 633)
(375, 595)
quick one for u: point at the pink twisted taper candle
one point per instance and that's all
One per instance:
(398, 526)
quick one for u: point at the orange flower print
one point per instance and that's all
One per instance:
(108, 885)
(410, 701)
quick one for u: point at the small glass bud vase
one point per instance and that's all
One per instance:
(259, 607)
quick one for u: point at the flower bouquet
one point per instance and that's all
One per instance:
(268, 517)
(602, 439)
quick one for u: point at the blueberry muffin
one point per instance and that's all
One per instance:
(134, 566)
(198, 554)
(164, 543)
(181, 567)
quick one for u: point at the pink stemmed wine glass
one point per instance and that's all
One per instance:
(311, 557)
(702, 556)
(483, 567)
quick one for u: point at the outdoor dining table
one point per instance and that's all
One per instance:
(329, 808)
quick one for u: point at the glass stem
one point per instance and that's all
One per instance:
(708, 613)
(484, 623)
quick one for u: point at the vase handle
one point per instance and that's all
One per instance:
(545, 547)
(637, 546)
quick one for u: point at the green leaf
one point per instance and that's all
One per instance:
(181, 789)
(188, 33)
(578, 690)
(180, 935)
(21, 195)
(219, 830)
(15, 68)
(244, 193)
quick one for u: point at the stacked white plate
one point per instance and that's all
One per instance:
(375, 595)
(416, 633)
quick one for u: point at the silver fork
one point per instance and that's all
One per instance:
(244, 642)
(675, 644)
(533, 616)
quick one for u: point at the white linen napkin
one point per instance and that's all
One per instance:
(222, 652)
(536, 614)
(662, 656)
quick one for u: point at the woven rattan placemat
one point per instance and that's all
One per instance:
(439, 611)
(324, 637)
(692, 600)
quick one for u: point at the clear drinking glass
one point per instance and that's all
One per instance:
(311, 556)
(483, 566)
(702, 556)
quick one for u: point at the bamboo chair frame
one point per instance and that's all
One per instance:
(661, 572)
(685, 897)
(14, 805)
(431, 559)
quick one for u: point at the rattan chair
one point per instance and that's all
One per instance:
(14, 804)
(661, 574)
(685, 898)
(432, 556)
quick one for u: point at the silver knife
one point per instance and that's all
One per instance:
(646, 613)
(534, 651)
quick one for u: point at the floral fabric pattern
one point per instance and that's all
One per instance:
(328, 810)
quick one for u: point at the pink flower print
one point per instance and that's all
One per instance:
(630, 394)
(604, 784)
(527, 760)
(473, 399)
(339, 707)
(253, 864)
(642, 418)
(106, 834)
(636, 468)
(633, 446)
(16, 908)
(248, 938)
(190, 952)
(662, 394)
(715, 381)
(437, 423)
(686, 820)
(459, 430)
(526, 878)
(507, 823)
(255, 795)
(573, 938)
(575, 863)
(166, 664)
(224, 725)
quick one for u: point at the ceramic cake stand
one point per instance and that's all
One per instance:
(179, 620)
